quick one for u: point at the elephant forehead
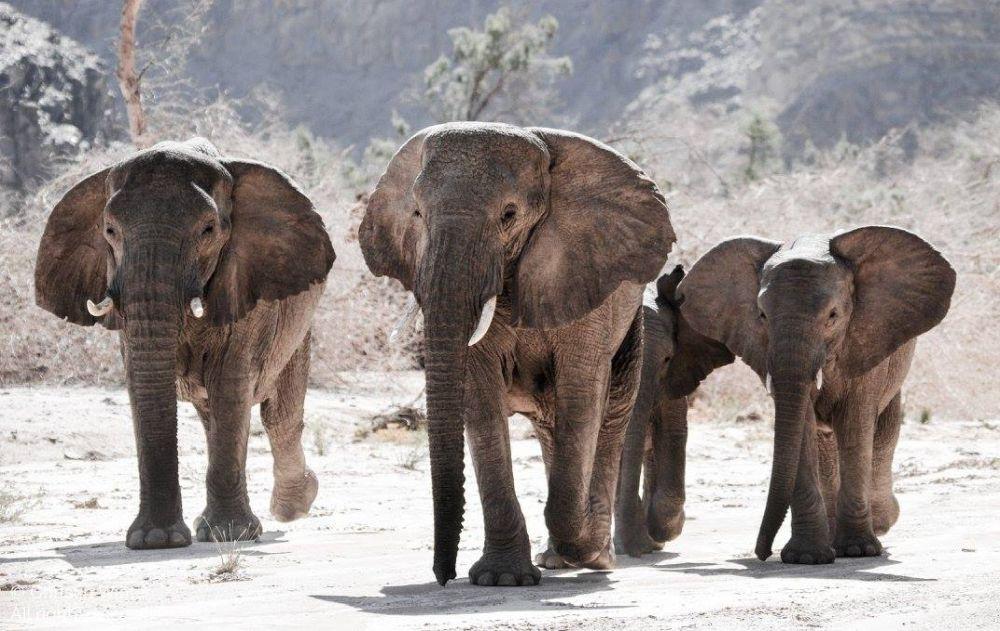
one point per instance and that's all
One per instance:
(487, 144)
(169, 165)
(177, 200)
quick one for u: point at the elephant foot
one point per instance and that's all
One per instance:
(857, 545)
(802, 551)
(634, 541)
(504, 569)
(585, 554)
(292, 500)
(665, 523)
(148, 533)
(884, 514)
(550, 560)
(227, 525)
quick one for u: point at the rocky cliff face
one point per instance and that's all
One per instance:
(822, 70)
(54, 98)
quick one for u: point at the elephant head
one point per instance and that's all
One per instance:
(839, 304)
(468, 212)
(174, 232)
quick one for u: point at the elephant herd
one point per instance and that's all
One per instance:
(528, 251)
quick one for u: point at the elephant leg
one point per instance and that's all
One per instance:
(227, 515)
(665, 502)
(810, 542)
(506, 558)
(855, 536)
(829, 474)
(547, 558)
(595, 398)
(295, 485)
(885, 508)
(631, 535)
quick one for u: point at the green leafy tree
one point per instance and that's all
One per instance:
(504, 71)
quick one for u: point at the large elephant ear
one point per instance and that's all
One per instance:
(72, 262)
(719, 297)
(392, 235)
(902, 288)
(277, 247)
(606, 223)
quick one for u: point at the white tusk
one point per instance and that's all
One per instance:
(405, 320)
(485, 319)
(819, 379)
(769, 385)
(100, 309)
(197, 309)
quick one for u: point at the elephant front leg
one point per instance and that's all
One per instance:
(631, 535)
(586, 456)
(227, 515)
(160, 522)
(810, 542)
(855, 536)
(665, 496)
(506, 558)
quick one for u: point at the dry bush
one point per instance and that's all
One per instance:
(949, 194)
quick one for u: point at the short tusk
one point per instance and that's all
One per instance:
(819, 379)
(769, 385)
(102, 308)
(405, 320)
(197, 309)
(485, 319)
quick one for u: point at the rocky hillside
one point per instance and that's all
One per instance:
(821, 70)
(54, 98)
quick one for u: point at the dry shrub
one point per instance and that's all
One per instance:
(949, 194)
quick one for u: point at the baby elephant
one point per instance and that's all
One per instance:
(210, 269)
(829, 324)
(657, 432)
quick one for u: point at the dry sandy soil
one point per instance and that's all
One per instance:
(362, 559)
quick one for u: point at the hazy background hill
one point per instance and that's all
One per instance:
(823, 70)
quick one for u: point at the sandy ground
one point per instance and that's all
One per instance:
(362, 559)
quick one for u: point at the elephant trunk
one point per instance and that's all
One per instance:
(792, 365)
(151, 302)
(456, 284)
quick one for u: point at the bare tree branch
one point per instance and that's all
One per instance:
(130, 81)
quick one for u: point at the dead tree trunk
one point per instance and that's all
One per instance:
(129, 80)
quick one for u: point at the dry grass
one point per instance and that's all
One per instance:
(949, 193)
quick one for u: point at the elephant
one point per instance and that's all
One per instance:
(654, 455)
(210, 269)
(527, 250)
(829, 324)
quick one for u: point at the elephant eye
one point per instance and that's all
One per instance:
(110, 231)
(509, 212)
(833, 314)
(208, 229)
(763, 316)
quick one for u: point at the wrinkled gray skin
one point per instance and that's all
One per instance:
(654, 453)
(844, 308)
(172, 223)
(565, 232)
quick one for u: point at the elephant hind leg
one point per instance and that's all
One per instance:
(295, 485)
(829, 473)
(885, 508)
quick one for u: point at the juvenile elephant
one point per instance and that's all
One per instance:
(210, 269)
(527, 250)
(829, 324)
(654, 453)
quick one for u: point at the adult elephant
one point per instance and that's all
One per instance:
(527, 250)
(654, 454)
(210, 269)
(829, 323)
